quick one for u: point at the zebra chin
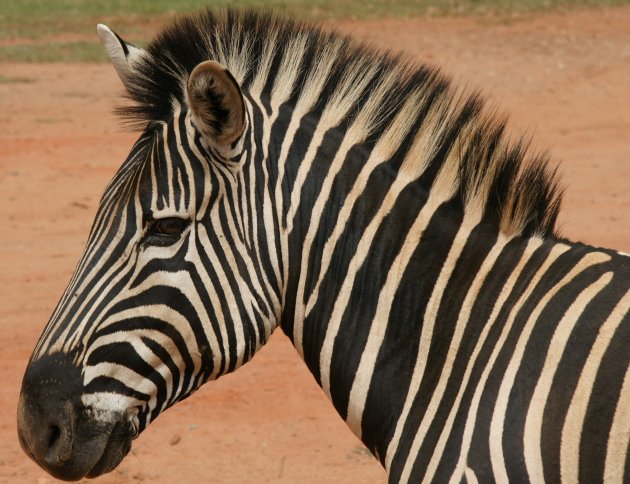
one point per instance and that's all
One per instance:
(63, 436)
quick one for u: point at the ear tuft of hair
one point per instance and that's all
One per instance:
(216, 103)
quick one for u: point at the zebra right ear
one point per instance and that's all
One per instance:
(216, 104)
(123, 55)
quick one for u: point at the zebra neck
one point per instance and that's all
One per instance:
(370, 272)
(398, 339)
(390, 278)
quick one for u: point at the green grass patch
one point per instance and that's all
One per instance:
(15, 80)
(53, 52)
(36, 28)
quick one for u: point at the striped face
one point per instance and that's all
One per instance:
(168, 293)
(152, 311)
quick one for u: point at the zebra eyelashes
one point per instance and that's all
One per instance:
(164, 231)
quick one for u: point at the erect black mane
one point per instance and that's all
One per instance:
(518, 190)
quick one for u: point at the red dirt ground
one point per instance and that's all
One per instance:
(564, 77)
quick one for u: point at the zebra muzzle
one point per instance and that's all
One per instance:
(55, 429)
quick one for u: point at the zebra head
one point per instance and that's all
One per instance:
(154, 308)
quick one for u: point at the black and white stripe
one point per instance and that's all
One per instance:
(385, 221)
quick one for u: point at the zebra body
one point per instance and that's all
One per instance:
(284, 177)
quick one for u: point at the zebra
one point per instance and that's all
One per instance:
(382, 217)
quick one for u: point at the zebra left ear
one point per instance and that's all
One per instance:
(123, 55)
(216, 103)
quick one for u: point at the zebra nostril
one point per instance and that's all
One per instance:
(59, 444)
(55, 434)
(48, 415)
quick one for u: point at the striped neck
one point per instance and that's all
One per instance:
(395, 322)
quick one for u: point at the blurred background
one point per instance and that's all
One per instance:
(61, 30)
(561, 68)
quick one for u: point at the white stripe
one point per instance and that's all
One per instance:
(500, 408)
(230, 298)
(429, 323)
(574, 421)
(532, 245)
(619, 437)
(420, 152)
(557, 346)
(471, 476)
(443, 189)
(97, 233)
(361, 253)
(336, 109)
(343, 297)
(134, 337)
(170, 202)
(365, 370)
(462, 321)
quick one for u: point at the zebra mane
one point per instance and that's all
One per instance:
(440, 135)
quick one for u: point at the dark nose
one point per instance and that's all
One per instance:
(47, 411)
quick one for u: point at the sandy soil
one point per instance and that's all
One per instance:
(564, 77)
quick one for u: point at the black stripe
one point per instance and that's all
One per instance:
(123, 353)
(529, 372)
(107, 384)
(569, 370)
(408, 312)
(601, 406)
(497, 278)
(479, 453)
(478, 245)
(167, 359)
(370, 278)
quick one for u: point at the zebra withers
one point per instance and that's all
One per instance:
(287, 176)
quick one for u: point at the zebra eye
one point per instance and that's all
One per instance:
(167, 227)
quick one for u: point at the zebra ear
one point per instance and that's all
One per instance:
(123, 55)
(216, 103)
